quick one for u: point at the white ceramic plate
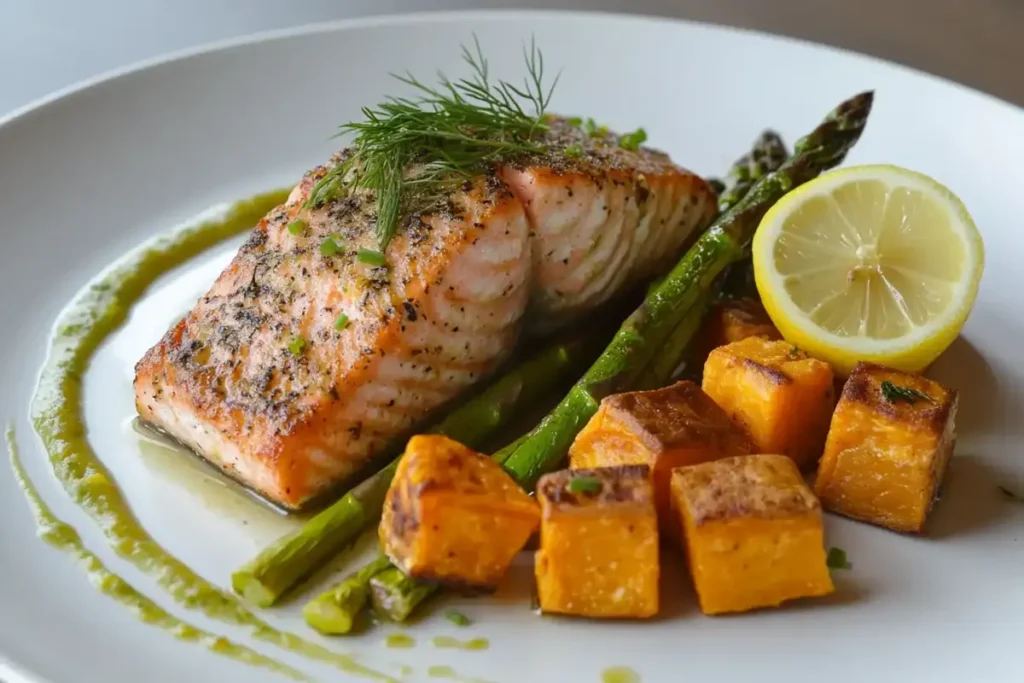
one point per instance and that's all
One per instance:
(94, 172)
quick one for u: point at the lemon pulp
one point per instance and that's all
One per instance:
(869, 263)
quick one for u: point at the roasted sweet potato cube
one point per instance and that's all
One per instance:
(733, 320)
(778, 394)
(727, 321)
(753, 533)
(599, 543)
(888, 448)
(453, 515)
(737, 319)
(663, 429)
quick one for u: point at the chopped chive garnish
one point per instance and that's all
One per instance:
(457, 618)
(296, 345)
(589, 126)
(370, 257)
(297, 226)
(837, 559)
(574, 150)
(1015, 497)
(632, 141)
(794, 353)
(584, 485)
(893, 393)
(341, 322)
(574, 121)
(329, 247)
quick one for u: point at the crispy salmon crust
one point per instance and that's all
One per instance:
(263, 380)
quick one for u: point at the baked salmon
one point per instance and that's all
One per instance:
(302, 363)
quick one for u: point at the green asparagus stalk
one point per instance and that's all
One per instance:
(663, 367)
(767, 154)
(647, 329)
(395, 596)
(282, 565)
(334, 612)
(677, 299)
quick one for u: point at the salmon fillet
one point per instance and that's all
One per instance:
(603, 221)
(261, 380)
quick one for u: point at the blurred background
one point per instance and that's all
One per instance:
(46, 45)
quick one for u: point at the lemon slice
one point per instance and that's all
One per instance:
(873, 263)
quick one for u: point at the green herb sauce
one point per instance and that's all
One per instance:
(400, 640)
(449, 673)
(57, 418)
(449, 642)
(64, 537)
(619, 674)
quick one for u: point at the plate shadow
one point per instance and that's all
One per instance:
(982, 401)
(970, 498)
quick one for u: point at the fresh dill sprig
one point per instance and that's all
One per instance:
(411, 151)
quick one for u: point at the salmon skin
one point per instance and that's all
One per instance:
(302, 363)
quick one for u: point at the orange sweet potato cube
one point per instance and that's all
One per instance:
(727, 321)
(733, 320)
(663, 429)
(736, 319)
(778, 394)
(453, 515)
(753, 533)
(598, 552)
(888, 448)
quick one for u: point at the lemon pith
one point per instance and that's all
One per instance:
(874, 263)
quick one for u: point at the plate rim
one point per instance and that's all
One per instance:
(26, 111)
(15, 671)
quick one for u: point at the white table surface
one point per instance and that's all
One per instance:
(46, 45)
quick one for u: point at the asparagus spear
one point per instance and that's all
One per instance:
(395, 595)
(282, 565)
(676, 299)
(646, 330)
(670, 359)
(334, 611)
(767, 154)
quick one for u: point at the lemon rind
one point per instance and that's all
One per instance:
(793, 321)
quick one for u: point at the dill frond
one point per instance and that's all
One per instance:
(411, 151)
